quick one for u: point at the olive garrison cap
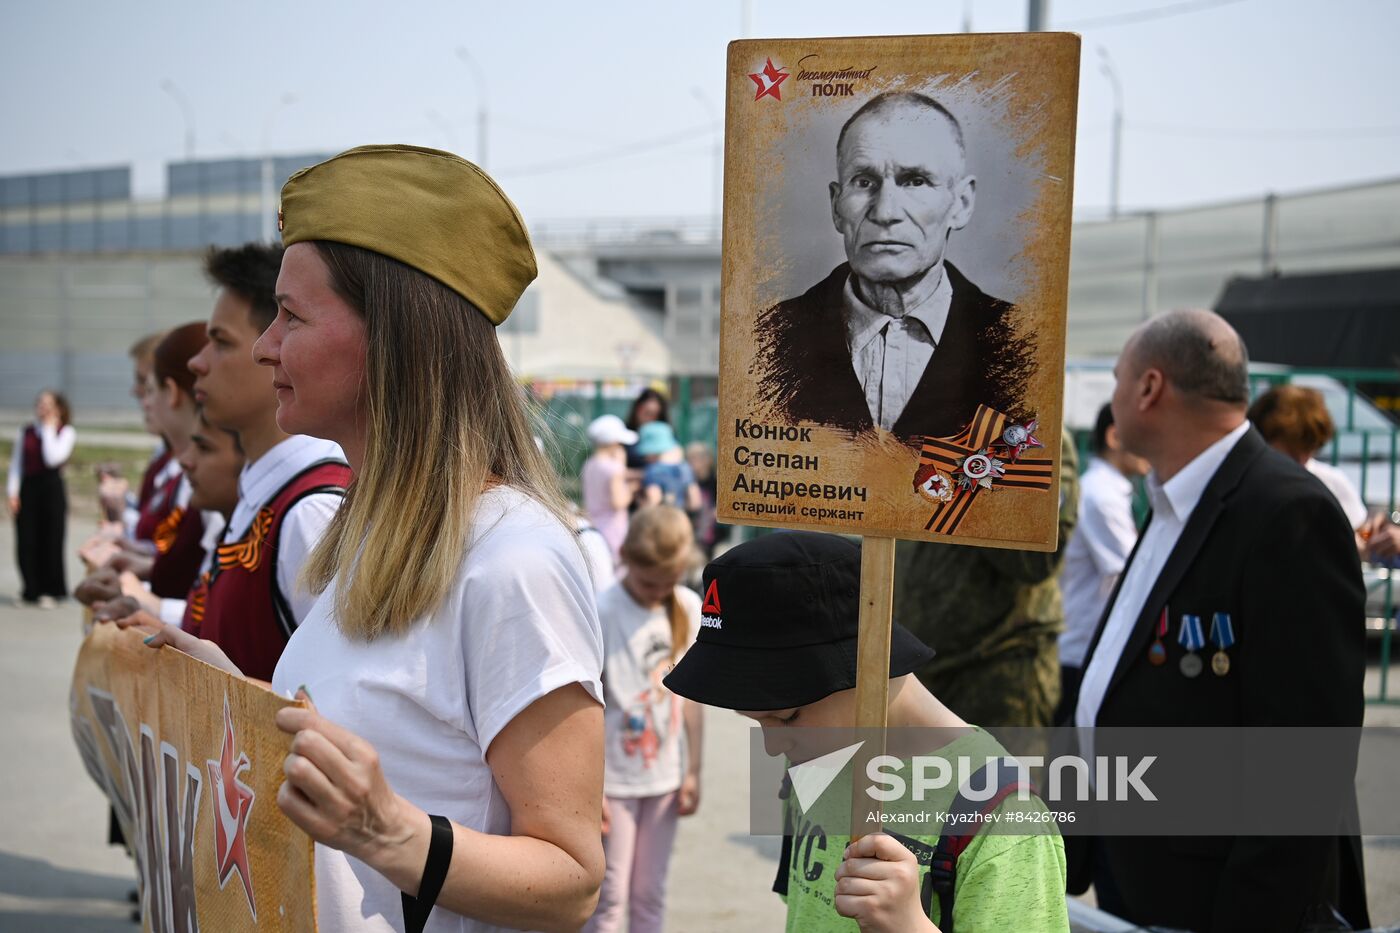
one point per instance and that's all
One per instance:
(426, 208)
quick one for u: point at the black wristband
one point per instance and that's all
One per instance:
(416, 909)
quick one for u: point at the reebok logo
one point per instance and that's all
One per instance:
(711, 606)
(710, 611)
(811, 778)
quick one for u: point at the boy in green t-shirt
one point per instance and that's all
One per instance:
(777, 643)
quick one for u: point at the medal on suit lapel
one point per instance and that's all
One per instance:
(1222, 636)
(1193, 639)
(1157, 654)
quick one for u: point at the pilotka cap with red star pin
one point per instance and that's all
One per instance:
(427, 208)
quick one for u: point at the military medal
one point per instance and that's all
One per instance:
(1018, 437)
(1193, 639)
(1222, 636)
(979, 470)
(1157, 654)
(933, 485)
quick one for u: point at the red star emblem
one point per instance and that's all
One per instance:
(232, 801)
(768, 81)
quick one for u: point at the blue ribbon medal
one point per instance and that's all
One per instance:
(1222, 636)
(1192, 637)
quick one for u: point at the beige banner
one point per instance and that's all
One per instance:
(191, 761)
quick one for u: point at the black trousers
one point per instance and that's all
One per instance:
(40, 528)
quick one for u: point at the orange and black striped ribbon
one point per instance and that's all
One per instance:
(247, 553)
(946, 454)
(199, 595)
(164, 536)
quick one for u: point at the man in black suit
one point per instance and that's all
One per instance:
(1241, 530)
(896, 337)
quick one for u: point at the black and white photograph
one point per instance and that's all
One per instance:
(897, 248)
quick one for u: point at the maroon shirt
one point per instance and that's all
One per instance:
(179, 553)
(239, 605)
(157, 509)
(33, 463)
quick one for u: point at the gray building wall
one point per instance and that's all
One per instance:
(68, 321)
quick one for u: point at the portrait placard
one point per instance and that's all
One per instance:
(896, 266)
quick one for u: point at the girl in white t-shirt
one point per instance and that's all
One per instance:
(454, 751)
(652, 742)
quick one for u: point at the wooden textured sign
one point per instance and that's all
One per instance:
(191, 761)
(896, 262)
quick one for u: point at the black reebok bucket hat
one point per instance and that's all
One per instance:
(779, 624)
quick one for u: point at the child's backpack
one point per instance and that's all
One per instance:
(942, 859)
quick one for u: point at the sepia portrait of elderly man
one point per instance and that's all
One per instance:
(896, 337)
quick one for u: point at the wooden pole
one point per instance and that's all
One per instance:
(872, 674)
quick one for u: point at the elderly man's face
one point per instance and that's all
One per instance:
(903, 187)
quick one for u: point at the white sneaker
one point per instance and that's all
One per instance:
(47, 602)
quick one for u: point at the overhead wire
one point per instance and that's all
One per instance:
(1141, 16)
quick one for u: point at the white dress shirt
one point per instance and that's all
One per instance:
(1095, 555)
(889, 354)
(303, 524)
(1172, 505)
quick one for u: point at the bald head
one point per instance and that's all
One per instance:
(912, 104)
(1197, 351)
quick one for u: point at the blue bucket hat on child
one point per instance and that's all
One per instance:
(655, 437)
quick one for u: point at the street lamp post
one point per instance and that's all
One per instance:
(265, 210)
(480, 77)
(1106, 66)
(1037, 15)
(183, 102)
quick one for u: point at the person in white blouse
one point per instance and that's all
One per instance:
(1295, 421)
(39, 500)
(1102, 541)
(454, 752)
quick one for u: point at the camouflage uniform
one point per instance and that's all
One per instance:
(994, 617)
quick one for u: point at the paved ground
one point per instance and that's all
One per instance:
(56, 873)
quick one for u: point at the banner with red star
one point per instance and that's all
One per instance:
(191, 761)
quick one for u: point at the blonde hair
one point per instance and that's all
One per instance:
(444, 421)
(661, 537)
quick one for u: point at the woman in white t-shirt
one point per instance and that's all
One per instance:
(454, 752)
(652, 749)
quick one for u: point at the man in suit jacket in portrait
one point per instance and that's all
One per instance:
(896, 337)
(1237, 530)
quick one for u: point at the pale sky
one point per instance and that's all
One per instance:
(602, 109)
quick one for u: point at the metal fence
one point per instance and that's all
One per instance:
(1366, 447)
